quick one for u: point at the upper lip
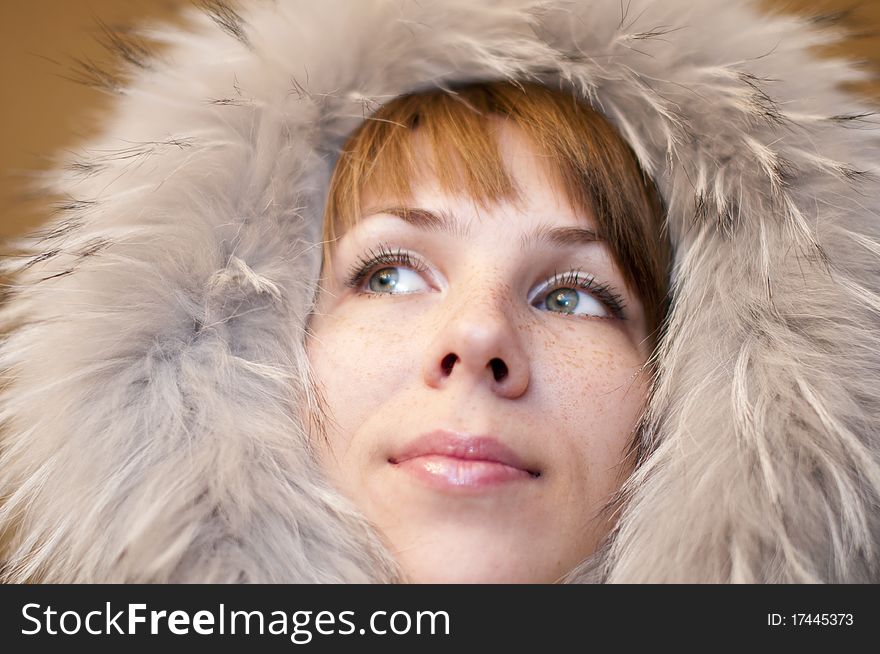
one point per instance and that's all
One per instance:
(460, 445)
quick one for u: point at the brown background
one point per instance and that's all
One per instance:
(43, 111)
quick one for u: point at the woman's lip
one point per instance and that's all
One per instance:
(453, 459)
(449, 472)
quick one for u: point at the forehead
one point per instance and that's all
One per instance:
(540, 201)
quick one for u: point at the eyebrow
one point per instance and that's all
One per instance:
(442, 221)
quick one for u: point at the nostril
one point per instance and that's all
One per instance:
(499, 369)
(447, 363)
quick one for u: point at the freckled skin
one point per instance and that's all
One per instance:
(568, 405)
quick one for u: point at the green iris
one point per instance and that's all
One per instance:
(565, 299)
(384, 279)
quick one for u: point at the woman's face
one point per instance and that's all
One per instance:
(480, 402)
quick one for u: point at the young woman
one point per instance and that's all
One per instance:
(483, 328)
(508, 291)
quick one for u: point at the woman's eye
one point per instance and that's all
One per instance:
(574, 301)
(395, 280)
(389, 272)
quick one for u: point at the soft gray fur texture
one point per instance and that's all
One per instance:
(153, 357)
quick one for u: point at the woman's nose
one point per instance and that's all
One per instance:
(478, 343)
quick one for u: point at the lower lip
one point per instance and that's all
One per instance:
(446, 472)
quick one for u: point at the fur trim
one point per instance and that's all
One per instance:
(154, 355)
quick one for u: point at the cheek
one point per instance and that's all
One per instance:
(592, 384)
(359, 363)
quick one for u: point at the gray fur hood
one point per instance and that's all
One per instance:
(153, 354)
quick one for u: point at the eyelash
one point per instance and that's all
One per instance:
(573, 278)
(385, 256)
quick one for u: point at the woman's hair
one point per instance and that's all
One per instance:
(594, 167)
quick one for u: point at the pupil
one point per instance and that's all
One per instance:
(383, 279)
(566, 298)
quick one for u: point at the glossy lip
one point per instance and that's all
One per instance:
(453, 460)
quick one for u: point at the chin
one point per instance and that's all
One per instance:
(463, 556)
(500, 536)
(428, 571)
